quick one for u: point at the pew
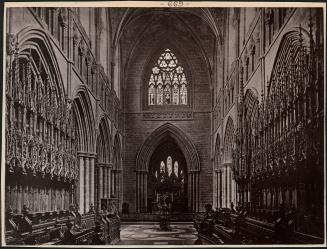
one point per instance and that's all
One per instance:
(50, 228)
(233, 228)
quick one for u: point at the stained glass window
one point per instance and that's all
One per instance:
(162, 167)
(167, 83)
(176, 168)
(159, 95)
(169, 165)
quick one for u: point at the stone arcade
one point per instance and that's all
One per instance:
(215, 115)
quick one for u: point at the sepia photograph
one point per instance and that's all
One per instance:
(162, 124)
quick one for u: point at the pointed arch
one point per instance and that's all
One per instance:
(35, 43)
(251, 106)
(157, 136)
(47, 148)
(217, 157)
(229, 139)
(162, 134)
(104, 142)
(288, 54)
(103, 159)
(116, 172)
(117, 164)
(84, 118)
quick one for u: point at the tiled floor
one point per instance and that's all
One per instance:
(182, 233)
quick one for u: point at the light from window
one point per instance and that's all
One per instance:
(176, 168)
(169, 166)
(167, 83)
(162, 167)
(168, 169)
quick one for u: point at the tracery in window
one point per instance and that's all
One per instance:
(167, 83)
(168, 168)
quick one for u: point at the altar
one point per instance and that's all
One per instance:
(168, 187)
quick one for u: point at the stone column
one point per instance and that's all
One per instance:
(138, 193)
(197, 192)
(218, 189)
(100, 191)
(92, 200)
(194, 189)
(228, 186)
(223, 187)
(113, 179)
(233, 191)
(104, 169)
(119, 182)
(81, 184)
(193, 192)
(141, 191)
(145, 191)
(215, 192)
(114, 182)
(109, 180)
(87, 184)
(189, 192)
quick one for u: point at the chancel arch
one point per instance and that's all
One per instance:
(157, 137)
(167, 178)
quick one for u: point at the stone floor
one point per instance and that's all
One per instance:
(148, 233)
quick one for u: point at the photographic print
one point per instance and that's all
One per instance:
(163, 124)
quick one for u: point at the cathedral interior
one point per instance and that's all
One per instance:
(163, 126)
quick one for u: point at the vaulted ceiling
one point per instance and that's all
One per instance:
(200, 26)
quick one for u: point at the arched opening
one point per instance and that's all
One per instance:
(217, 174)
(167, 178)
(116, 172)
(250, 111)
(103, 164)
(226, 180)
(160, 136)
(84, 121)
